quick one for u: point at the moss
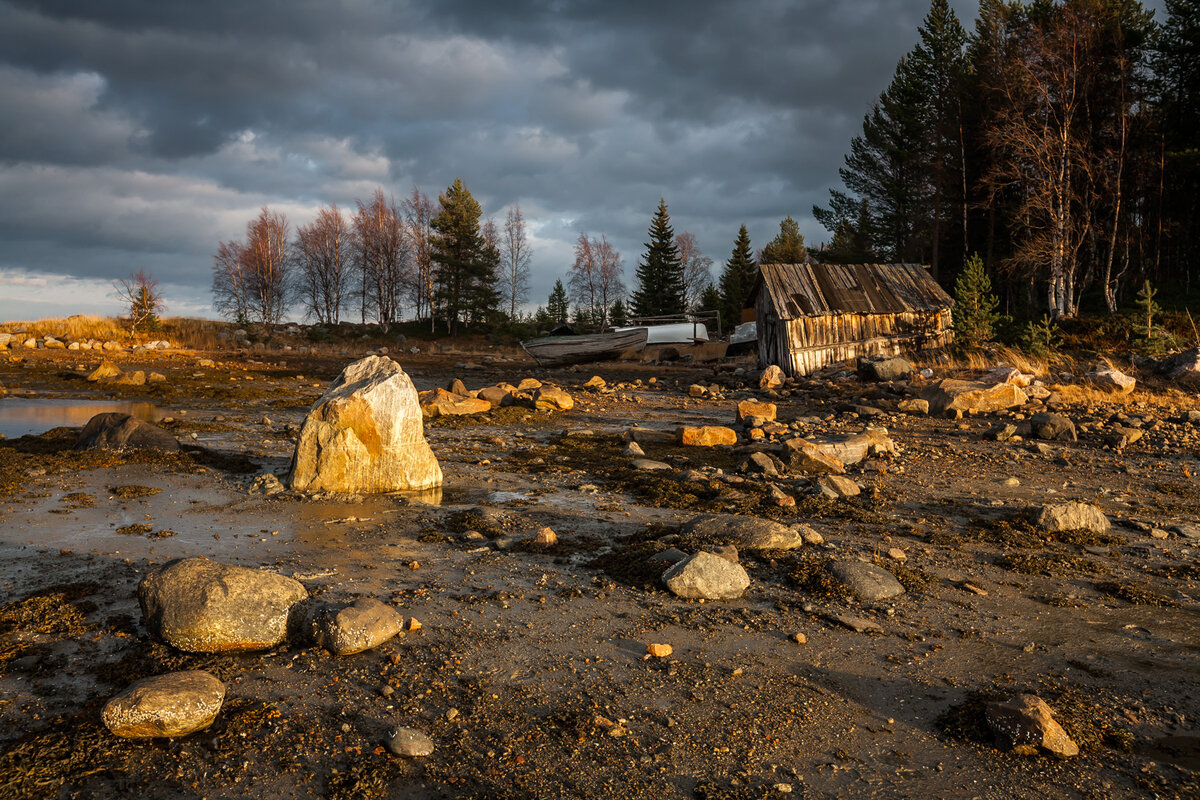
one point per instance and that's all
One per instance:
(1138, 594)
(132, 492)
(136, 529)
(809, 573)
(1049, 563)
(913, 580)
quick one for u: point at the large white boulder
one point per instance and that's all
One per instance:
(365, 435)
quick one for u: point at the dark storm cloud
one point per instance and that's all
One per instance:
(142, 133)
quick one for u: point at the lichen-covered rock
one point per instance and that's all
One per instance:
(173, 704)
(753, 409)
(707, 576)
(116, 431)
(362, 625)
(551, 398)
(707, 436)
(203, 606)
(106, 370)
(809, 458)
(366, 434)
(851, 448)
(868, 582)
(1073, 517)
(747, 533)
(441, 403)
(1026, 723)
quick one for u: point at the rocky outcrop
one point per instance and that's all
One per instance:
(174, 704)
(115, 431)
(959, 397)
(206, 607)
(366, 434)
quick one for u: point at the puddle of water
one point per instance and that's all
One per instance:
(19, 416)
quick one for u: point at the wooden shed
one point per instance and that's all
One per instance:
(811, 315)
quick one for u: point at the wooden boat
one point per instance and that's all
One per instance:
(558, 351)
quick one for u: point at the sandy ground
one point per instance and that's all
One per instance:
(529, 671)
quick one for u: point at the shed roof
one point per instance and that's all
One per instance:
(814, 290)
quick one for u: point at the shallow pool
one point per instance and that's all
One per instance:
(19, 415)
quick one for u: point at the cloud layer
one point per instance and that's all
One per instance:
(140, 133)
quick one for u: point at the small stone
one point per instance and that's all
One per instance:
(545, 537)
(897, 554)
(648, 465)
(914, 405)
(857, 624)
(748, 409)
(659, 650)
(799, 638)
(837, 487)
(634, 450)
(413, 624)
(1158, 533)
(410, 743)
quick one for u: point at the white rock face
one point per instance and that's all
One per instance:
(365, 435)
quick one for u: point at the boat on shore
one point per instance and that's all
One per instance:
(560, 351)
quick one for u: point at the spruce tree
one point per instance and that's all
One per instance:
(737, 278)
(617, 313)
(557, 306)
(459, 253)
(787, 247)
(661, 288)
(974, 312)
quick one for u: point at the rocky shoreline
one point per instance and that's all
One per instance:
(687, 582)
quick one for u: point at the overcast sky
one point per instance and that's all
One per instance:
(137, 134)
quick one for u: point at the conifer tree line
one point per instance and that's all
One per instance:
(441, 262)
(1057, 140)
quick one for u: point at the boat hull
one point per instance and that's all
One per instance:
(558, 351)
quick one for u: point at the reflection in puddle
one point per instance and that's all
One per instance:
(19, 416)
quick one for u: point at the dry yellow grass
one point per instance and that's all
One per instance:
(185, 332)
(80, 326)
(980, 360)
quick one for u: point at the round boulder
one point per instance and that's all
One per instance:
(360, 626)
(203, 606)
(707, 576)
(174, 704)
